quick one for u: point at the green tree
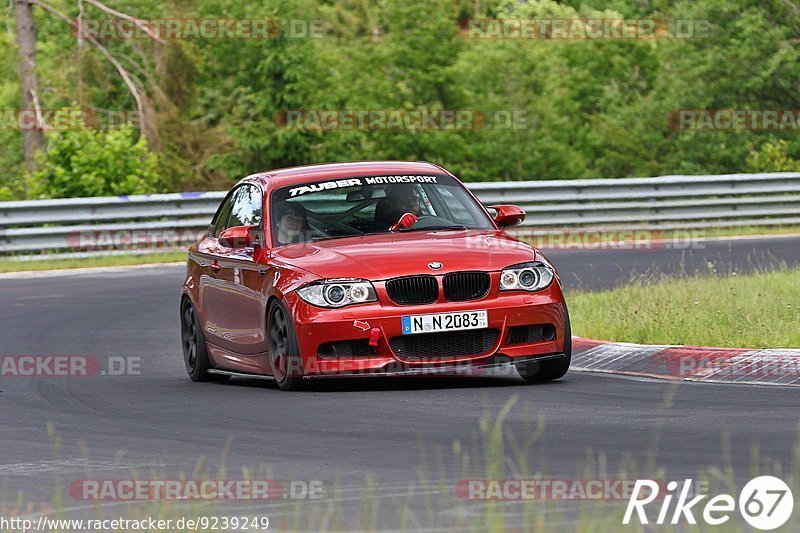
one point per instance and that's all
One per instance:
(87, 162)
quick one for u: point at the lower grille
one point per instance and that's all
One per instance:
(413, 290)
(463, 286)
(531, 334)
(354, 348)
(445, 345)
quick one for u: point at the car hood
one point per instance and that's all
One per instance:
(384, 256)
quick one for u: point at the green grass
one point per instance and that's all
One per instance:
(760, 310)
(744, 231)
(494, 452)
(9, 265)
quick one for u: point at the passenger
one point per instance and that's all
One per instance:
(292, 222)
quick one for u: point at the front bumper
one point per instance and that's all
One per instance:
(316, 326)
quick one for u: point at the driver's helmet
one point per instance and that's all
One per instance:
(403, 198)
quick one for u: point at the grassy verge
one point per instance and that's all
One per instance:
(745, 231)
(506, 446)
(743, 311)
(7, 265)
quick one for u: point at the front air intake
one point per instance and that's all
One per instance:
(443, 345)
(413, 290)
(464, 286)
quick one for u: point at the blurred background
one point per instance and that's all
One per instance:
(189, 113)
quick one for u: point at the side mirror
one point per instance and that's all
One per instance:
(508, 215)
(241, 237)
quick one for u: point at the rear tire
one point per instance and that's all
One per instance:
(284, 352)
(540, 372)
(195, 352)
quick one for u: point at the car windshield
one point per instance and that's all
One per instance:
(348, 207)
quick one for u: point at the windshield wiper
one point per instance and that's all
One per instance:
(431, 228)
(435, 228)
(325, 238)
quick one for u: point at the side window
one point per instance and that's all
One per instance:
(220, 221)
(246, 209)
(242, 207)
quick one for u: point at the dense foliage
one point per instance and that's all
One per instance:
(591, 108)
(91, 162)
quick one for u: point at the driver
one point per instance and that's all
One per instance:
(402, 199)
(292, 221)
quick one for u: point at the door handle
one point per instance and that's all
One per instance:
(215, 267)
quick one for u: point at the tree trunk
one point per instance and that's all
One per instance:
(26, 43)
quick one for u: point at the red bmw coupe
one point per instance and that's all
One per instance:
(375, 268)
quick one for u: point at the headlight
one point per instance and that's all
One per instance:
(338, 292)
(526, 277)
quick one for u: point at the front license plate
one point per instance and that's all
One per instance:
(445, 322)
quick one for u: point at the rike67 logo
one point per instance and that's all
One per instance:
(765, 503)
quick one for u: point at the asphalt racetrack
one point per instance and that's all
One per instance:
(398, 431)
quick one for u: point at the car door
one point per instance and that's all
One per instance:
(209, 253)
(240, 304)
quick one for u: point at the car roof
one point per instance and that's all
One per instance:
(303, 174)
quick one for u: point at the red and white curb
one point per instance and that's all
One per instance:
(688, 363)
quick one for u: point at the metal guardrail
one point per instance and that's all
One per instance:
(667, 202)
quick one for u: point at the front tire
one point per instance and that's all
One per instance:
(195, 352)
(540, 372)
(284, 352)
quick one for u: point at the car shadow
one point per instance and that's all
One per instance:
(380, 383)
